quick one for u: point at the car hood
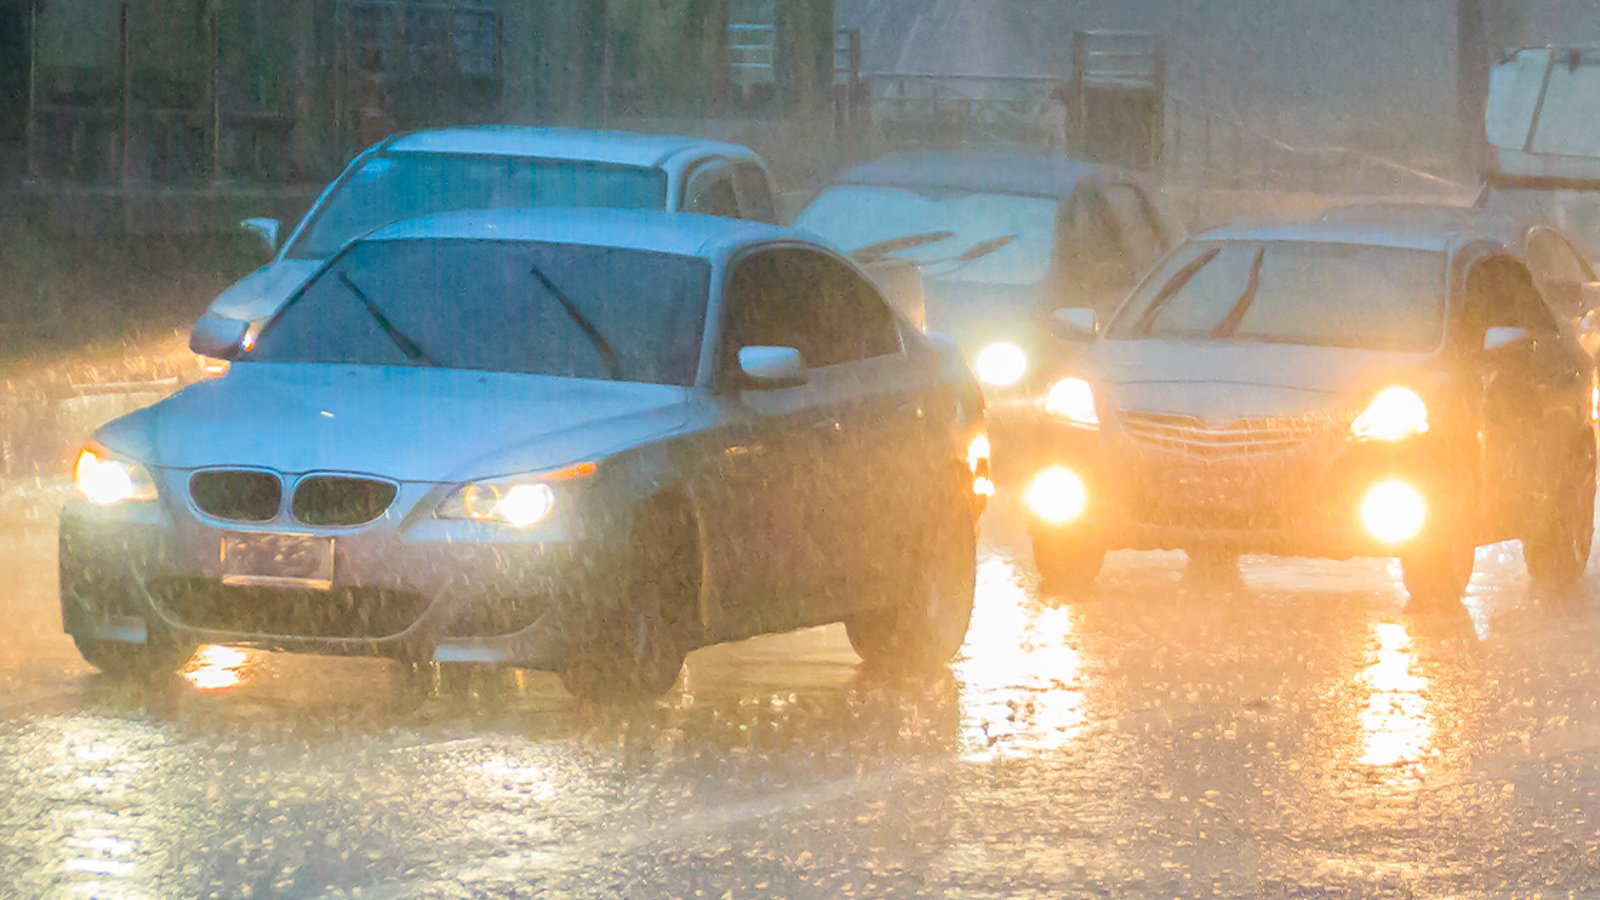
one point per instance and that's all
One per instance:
(410, 424)
(1227, 380)
(260, 293)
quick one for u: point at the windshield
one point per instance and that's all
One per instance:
(615, 313)
(1322, 294)
(1575, 212)
(400, 186)
(853, 217)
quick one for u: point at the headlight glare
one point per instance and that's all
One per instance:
(1072, 399)
(106, 481)
(1001, 364)
(1394, 512)
(1395, 414)
(1057, 496)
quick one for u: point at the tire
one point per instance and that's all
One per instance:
(926, 624)
(120, 660)
(1068, 563)
(636, 651)
(1437, 573)
(1556, 550)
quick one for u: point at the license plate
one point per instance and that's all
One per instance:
(278, 560)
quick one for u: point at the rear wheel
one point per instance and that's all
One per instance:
(1556, 549)
(123, 660)
(1068, 563)
(636, 651)
(927, 624)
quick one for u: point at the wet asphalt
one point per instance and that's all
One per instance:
(1295, 731)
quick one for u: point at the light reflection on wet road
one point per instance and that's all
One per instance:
(1297, 730)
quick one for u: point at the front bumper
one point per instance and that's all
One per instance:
(1300, 500)
(408, 587)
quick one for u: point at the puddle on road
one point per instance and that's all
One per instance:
(1022, 691)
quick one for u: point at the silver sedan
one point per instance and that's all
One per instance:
(584, 441)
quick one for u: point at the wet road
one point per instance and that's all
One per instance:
(1295, 731)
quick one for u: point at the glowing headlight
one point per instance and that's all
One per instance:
(1057, 496)
(521, 501)
(1394, 512)
(1000, 364)
(1072, 399)
(1395, 414)
(106, 481)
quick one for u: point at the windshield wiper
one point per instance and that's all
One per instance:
(1147, 319)
(1230, 322)
(969, 256)
(608, 357)
(406, 344)
(875, 252)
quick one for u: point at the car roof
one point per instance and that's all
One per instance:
(681, 234)
(997, 172)
(618, 147)
(1374, 233)
(1510, 228)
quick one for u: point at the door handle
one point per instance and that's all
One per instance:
(831, 426)
(911, 409)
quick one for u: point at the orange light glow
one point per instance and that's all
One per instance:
(217, 668)
(1396, 726)
(573, 472)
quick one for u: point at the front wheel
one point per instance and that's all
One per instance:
(1437, 573)
(927, 624)
(1557, 547)
(1068, 563)
(637, 650)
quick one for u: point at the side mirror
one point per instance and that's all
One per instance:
(218, 337)
(1080, 323)
(1503, 337)
(770, 368)
(266, 230)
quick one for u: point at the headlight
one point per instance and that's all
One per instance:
(521, 501)
(1000, 364)
(1072, 399)
(978, 462)
(1395, 414)
(106, 481)
(1394, 512)
(1057, 496)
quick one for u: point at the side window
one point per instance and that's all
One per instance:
(755, 193)
(856, 321)
(1140, 236)
(710, 192)
(808, 301)
(1556, 260)
(1501, 294)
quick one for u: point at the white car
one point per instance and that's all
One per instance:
(578, 440)
(499, 167)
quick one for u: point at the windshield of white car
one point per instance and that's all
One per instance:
(1292, 292)
(399, 186)
(1575, 212)
(857, 216)
(487, 305)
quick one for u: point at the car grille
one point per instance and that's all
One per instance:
(341, 500)
(341, 613)
(238, 495)
(1241, 438)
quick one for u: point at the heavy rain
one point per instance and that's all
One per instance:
(461, 448)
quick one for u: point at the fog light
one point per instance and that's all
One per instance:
(1057, 496)
(1001, 364)
(1394, 512)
